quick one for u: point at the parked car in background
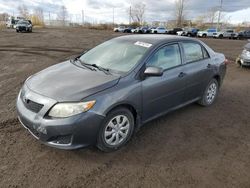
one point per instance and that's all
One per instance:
(206, 33)
(150, 29)
(136, 30)
(104, 95)
(174, 31)
(128, 29)
(143, 30)
(24, 25)
(244, 57)
(189, 32)
(160, 30)
(12, 21)
(241, 35)
(119, 29)
(227, 33)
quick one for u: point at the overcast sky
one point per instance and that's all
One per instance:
(156, 10)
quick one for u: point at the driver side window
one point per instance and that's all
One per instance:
(166, 57)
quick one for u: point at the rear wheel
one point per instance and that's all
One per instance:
(116, 130)
(210, 94)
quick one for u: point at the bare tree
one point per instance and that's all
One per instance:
(179, 12)
(62, 15)
(4, 16)
(38, 17)
(137, 13)
(39, 13)
(23, 11)
(212, 15)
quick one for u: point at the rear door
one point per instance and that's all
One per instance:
(160, 94)
(197, 68)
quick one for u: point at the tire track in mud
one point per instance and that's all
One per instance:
(11, 121)
(101, 173)
(36, 48)
(93, 175)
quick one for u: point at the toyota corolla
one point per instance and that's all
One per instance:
(107, 93)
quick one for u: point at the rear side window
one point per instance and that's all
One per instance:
(193, 51)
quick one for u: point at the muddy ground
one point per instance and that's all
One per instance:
(191, 147)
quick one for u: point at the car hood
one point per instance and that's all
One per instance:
(68, 82)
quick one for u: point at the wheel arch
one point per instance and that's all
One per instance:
(128, 106)
(218, 78)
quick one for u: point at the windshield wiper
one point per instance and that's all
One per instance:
(83, 64)
(106, 71)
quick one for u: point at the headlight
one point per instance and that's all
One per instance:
(62, 110)
(246, 52)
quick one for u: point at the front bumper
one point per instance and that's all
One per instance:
(65, 133)
(243, 61)
(23, 28)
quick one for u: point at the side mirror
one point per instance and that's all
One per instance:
(153, 71)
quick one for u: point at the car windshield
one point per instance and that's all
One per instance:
(115, 55)
(23, 22)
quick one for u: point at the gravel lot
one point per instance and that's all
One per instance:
(191, 147)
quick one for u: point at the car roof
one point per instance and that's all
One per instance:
(154, 39)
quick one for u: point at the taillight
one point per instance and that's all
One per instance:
(226, 61)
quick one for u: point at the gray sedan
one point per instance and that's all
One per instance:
(107, 93)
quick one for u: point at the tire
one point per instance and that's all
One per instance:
(105, 142)
(189, 35)
(204, 35)
(220, 36)
(17, 31)
(210, 94)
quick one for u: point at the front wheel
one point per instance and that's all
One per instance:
(116, 130)
(210, 93)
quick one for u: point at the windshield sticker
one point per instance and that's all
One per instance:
(143, 44)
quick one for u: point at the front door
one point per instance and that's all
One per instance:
(163, 93)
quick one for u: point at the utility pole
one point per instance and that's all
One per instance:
(113, 17)
(130, 15)
(49, 19)
(83, 21)
(218, 22)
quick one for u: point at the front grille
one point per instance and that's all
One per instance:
(22, 28)
(31, 105)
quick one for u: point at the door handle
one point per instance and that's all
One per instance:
(182, 74)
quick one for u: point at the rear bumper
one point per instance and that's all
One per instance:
(65, 133)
